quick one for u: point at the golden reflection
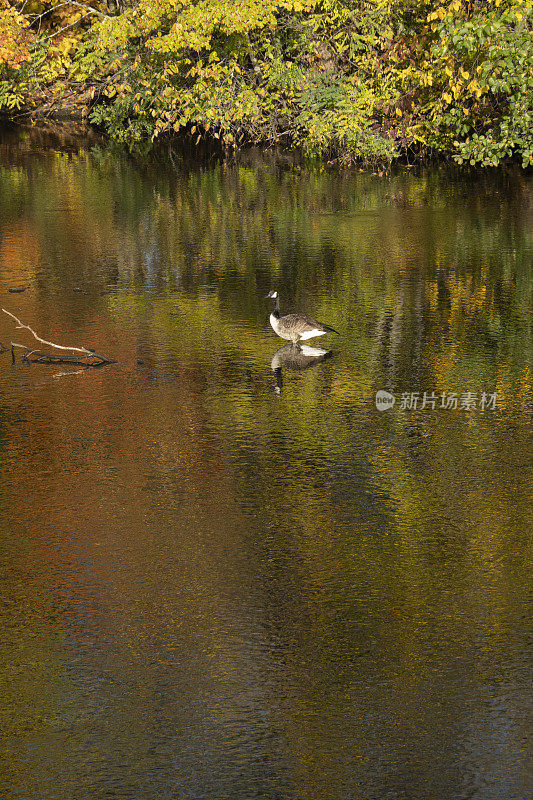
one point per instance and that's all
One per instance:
(183, 551)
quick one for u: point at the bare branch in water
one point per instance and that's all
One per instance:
(36, 356)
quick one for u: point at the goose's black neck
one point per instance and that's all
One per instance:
(275, 313)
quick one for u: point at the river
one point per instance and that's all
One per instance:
(227, 577)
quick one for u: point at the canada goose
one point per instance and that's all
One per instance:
(296, 327)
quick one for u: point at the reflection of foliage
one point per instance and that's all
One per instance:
(361, 549)
(438, 266)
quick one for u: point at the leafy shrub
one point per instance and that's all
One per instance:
(347, 79)
(481, 62)
(15, 42)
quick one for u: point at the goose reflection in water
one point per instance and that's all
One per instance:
(296, 357)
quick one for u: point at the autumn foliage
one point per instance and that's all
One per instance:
(369, 80)
(14, 37)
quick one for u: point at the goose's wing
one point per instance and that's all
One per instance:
(300, 322)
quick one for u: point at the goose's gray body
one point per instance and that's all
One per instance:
(296, 327)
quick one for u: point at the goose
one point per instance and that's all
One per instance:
(296, 327)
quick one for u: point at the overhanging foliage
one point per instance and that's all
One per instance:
(348, 79)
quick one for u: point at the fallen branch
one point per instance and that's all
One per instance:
(88, 358)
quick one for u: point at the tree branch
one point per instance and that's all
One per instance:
(89, 9)
(41, 357)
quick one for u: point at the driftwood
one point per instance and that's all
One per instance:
(81, 356)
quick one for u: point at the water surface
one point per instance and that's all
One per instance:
(218, 584)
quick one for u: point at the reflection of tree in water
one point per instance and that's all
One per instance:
(427, 272)
(352, 565)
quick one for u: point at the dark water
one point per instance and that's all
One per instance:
(212, 589)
